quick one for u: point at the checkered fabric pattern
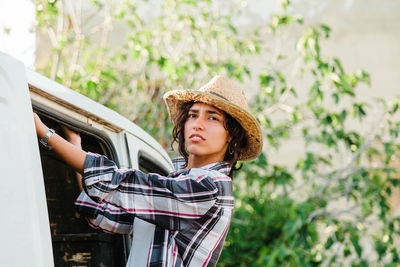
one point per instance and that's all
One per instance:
(191, 209)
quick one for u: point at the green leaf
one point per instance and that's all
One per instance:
(338, 64)
(329, 243)
(232, 28)
(326, 30)
(110, 75)
(265, 79)
(346, 251)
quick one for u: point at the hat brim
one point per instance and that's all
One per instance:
(175, 98)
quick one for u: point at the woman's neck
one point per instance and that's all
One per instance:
(195, 161)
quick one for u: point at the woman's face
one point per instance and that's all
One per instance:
(205, 135)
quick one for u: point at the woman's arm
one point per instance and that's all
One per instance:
(72, 155)
(104, 216)
(168, 202)
(75, 139)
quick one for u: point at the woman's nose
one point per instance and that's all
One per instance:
(198, 123)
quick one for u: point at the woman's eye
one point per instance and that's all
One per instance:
(192, 115)
(214, 118)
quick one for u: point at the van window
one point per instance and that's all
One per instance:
(74, 242)
(148, 165)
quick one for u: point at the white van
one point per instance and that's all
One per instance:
(38, 224)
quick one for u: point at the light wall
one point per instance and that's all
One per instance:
(17, 36)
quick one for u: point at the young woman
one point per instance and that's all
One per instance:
(191, 208)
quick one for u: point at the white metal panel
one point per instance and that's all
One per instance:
(136, 145)
(24, 227)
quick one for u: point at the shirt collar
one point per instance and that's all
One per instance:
(222, 166)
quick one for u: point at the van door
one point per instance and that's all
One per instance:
(74, 242)
(143, 157)
(24, 227)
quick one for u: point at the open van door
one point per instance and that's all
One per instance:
(25, 231)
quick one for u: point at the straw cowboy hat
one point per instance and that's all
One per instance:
(225, 95)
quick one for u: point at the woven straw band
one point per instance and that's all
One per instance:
(225, 95)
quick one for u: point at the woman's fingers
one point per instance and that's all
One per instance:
(41, 128)
(36, 119)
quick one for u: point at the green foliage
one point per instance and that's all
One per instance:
(180, 48)
(328, 203)
(326, 207)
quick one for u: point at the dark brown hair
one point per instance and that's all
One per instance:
(237, 144)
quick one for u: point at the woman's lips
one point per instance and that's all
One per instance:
(196, 138)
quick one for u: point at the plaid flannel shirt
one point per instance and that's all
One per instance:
(191, 209)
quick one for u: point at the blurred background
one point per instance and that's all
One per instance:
(320, 76)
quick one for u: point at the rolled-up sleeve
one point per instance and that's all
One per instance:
(104, 216)
(160, 200)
